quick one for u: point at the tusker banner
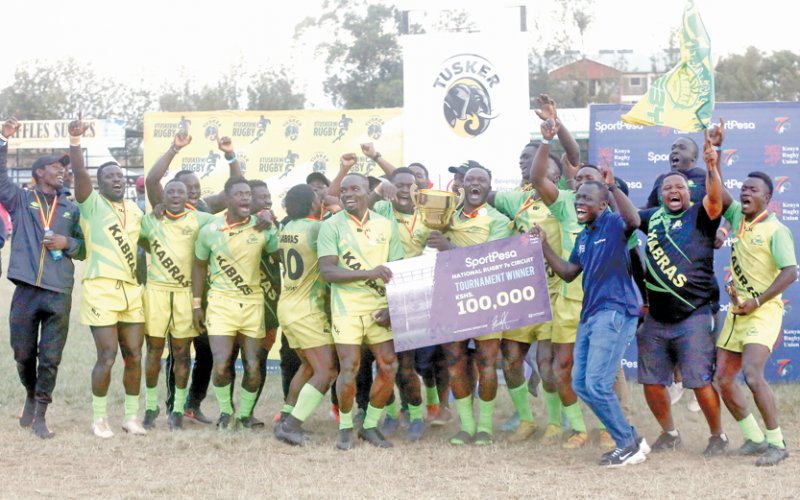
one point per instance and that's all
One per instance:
(759, 136)
(279, 147)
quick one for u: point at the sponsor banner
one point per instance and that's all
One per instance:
(466, 98)
(759, 136)
(475, 291)
(47, 134)
(279, 147)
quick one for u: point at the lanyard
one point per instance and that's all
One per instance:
(182, 214)
(742, 227)
(361, 224)
(228, 225)
(313, 218)
(474, 213)
(116, 212)
(413, 222)
(46, 221)
(528, 203)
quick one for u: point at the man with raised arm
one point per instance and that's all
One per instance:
(301, 311)
(111, 300)
(610, 306)
(764, 265)
(678, 328)
(473, 223)
(201, 374)
(352, 247)
(47, 237)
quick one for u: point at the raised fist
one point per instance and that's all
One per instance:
(182, 138)
(348, 160)
(11, 126)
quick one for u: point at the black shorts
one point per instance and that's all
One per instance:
(689, 344)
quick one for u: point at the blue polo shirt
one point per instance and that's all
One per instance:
(602, 251)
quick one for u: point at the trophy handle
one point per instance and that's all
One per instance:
(414, 194)
(461, 195)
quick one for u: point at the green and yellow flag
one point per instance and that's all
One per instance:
(684, 97)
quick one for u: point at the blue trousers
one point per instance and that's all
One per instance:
(599, 347)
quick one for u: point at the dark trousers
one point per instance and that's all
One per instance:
(290, 363)
(201, 374)
(364, 378)
(32, 307)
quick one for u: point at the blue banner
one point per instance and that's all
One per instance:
(758, 136)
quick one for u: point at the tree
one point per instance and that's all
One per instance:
(273, 90)
(756, 76)
(364, 61)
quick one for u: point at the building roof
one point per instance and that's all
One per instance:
(585, 69)
(597, 65)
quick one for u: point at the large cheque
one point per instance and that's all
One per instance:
(468, 292)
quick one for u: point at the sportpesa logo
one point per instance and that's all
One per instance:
(729, 157)
(782, 124)
(782, 184)
(467, 82)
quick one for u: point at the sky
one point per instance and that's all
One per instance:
(159, 40)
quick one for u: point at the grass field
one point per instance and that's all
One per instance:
(200, 463)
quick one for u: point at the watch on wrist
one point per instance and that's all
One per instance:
(612, 188)
(377, 155)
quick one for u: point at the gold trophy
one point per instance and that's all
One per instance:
(436, 208)
(733, 291)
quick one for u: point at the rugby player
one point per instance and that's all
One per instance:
(111, 300)
(301, 311)
(235, 315)
(352, 246)
(764, 265)
(678, 327)
(611, 306)
(473, 223)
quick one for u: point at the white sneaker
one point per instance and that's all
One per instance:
(693, 405)
(133, 426)
(101, 429)
(675, 391)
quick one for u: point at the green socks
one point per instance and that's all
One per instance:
(554, 407)
(391, 410)
(287, 409)
(307, 400)
(751, 430)
(432, 396)
(775, 438)
(224, 399)
(99, 406)
(345, 419)
(575, 416)
(131, 406)
(248, 402)
(414, 412)
(151, 398)
(519, 395)
(373, 415)
(485, 419)
(464, 407)
(180, 400)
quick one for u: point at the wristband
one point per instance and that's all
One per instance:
(3, 138)
(717, 148)
(379, 188)
(612, 188)
(545, 141)
(757, 302)
(74, 140)
(377, 155)
(175, 150)
(232, 159)
(3, 144)
(724, 231)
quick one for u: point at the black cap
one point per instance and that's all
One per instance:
(47, 160)
(318, 176)
(373, 182)
(464, 167)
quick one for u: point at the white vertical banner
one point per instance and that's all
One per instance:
(466, 98)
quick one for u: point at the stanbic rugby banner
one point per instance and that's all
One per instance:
(762, 136)
(279, 147)
(466, 98)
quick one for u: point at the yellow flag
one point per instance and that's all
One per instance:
(684, 97)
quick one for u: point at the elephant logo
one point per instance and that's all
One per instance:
(467, 82)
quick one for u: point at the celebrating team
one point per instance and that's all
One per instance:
(214, 282)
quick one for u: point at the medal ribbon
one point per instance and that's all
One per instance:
(116, 212)
(413, 222)
(758, 219)
(46, 220)
(231, 226)
(474, 213)
(182, 214)
(361, 224)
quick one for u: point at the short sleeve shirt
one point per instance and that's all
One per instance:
(524, 210)
(359, 248)
(303, 288)
(564, 211)
(758, 252)
(413, 233)
(172, 242)
(488, 226)
(602, 252)
(679, 260)
(111, 232)
(234, 255)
